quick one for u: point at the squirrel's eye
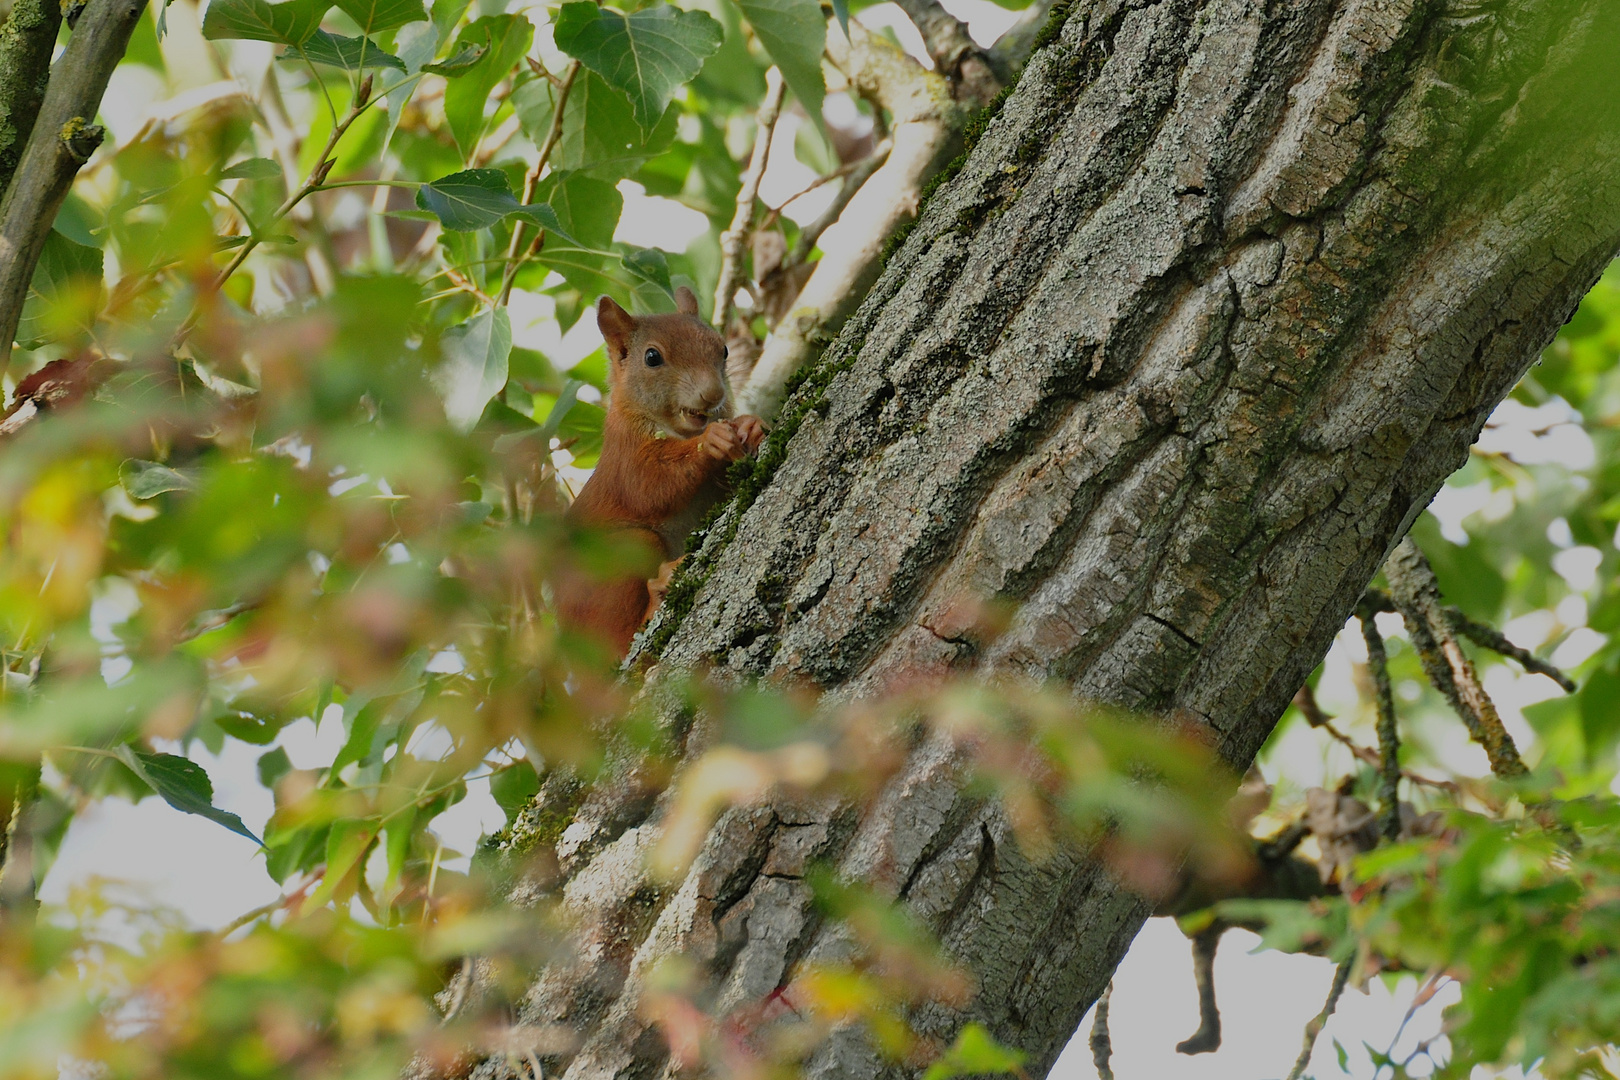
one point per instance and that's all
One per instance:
(724, 352)
(654, 358)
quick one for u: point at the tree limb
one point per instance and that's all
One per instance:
(62, 141)
(1417, 595)
(956, 55)
(926, 121)
(26, 40)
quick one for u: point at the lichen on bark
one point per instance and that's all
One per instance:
(26, 39)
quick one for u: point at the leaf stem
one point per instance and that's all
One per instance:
(515, 249)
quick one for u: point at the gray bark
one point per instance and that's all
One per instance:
(1220, 298)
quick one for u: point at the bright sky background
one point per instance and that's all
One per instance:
(211, 876)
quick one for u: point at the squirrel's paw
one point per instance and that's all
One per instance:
(751, 430)
(720, 441)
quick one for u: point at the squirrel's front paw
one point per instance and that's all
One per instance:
(751, 430)
(720, 441)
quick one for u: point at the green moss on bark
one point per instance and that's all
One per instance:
(26, 41)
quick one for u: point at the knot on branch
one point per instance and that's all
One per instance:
(81, 138)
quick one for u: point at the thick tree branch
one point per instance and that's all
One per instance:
(26, 39)
(956, 55)
(926, 120)
(63, 139)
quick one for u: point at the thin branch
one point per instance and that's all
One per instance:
(64, 137)
(1305, 701)
(310, 184)
(1389, 740)
(1491, 638)
(1417, 594)
(1341, 976)
(859, 175)
(1102, 1046)
(735, 239)
(515, 248)
(1207, 1039)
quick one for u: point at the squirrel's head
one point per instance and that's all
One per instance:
(667, 369)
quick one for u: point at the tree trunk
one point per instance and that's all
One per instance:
(1220, 297)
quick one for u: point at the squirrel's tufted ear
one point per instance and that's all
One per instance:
(617, 325)
(686, 302)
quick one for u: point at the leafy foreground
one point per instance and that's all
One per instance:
(279, 450)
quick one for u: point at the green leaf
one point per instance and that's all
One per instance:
(348, 53)
(645, 55)
(253, 168)
(841, 9)
(289, 23)
(459, 64)
(146, 479)
(376, 16)
(794, 32)
(183, 785)
(513, 787)
(472, 368)
(478, 198)
(975, 1051)
(599, 129)
(273, 766)
(505, 39)
(64, 268)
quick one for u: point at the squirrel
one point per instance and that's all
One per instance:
(666, 442)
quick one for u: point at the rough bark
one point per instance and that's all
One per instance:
(1222, 295)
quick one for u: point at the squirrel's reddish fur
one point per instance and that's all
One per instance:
(666, 442)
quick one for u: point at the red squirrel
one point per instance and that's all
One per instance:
(666, 441)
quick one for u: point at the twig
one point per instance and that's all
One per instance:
(734, 239)
(1207, 1039)
(1305, 701)
(859, 175)
(1389, 740)
(64, 137)
(532, 178)
(1102, 1047)
(1491, 638)
(1416, 594)
(311, 183)
(1341, 976)
(466, 284)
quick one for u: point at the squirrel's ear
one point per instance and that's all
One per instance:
(616, 325)
(685, 302)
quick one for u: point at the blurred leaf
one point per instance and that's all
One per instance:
(794, 32)
(478, 198)
(273, 766)
(1466, 578)
(841, 9)
(473, 365)
(183, 785)
(288, 23)
(253, 168)
(376, 16)
(505, 39)
(145, 479)
(513, 787)
(975, 1052)
(459, 64)
(351, 54)
(65, 270)
(645, 55)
